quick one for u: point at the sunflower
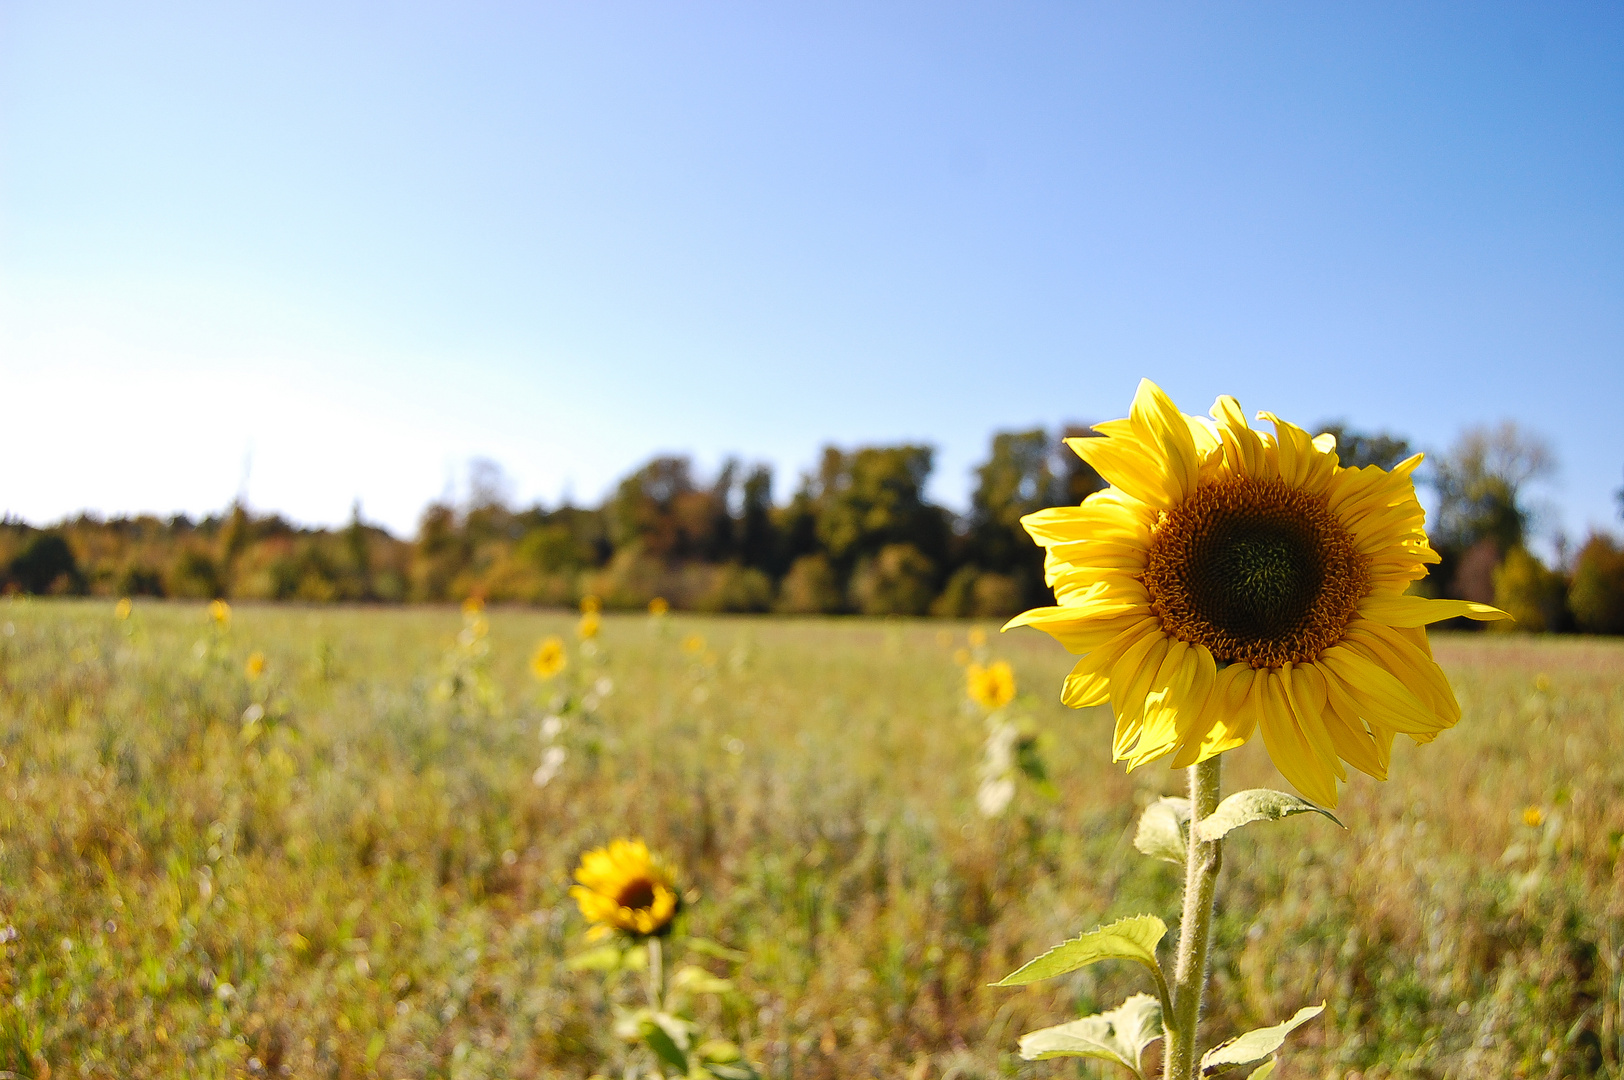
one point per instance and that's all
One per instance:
(991, 686)
(591, 622)
(658, 606)
(1231, 580)
(255, 665)
(623, 887)
(548, 659)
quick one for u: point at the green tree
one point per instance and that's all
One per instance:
(1358, 449)
(1480, 484)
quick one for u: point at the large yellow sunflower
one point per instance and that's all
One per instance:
(1231, 580)
(623, 887)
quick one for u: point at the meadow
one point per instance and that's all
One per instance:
(339, 862)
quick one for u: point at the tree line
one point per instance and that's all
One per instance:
(856, 535)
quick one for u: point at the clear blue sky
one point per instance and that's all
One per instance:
(359, 245)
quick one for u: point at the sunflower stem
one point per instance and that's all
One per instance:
(656, 976)
(1201, 864)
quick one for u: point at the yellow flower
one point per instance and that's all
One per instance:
(658, 606)
(1533, 817)
(220, 612)
(122, 609)
(991, 687)
(978, 638)
(548, 659)
(961, 656)
(623, 887)
(473, 606)
(591, 605)
(694, 644)
(589, 626)
(255, 667)
(1232, 580)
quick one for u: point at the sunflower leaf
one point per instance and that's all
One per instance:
(1256, 804)
(1120, 1035)
(1164, 829)
(667, 1036)
(696, 980)
(1263, 1070)
(1245, 1049)
(716, 949)
(1133, 938)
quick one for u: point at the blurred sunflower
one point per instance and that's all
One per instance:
(590, 624)
(623, 887)
(122, 609)
(658, 606)
(255, 666)
(591, 605)
(693, 644)
(991, 686)
(1231, 580)
(548, 659)
(220, 612)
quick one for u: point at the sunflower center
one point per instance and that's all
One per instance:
(1258, 571)
(636, 894)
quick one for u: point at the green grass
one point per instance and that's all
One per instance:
(373, 874)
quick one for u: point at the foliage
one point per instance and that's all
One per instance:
(1536, 597)
(1596, 596)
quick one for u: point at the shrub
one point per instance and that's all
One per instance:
(1596, 596)
(46, 565)
(809, 588)
(1534, 595)
(897, 581)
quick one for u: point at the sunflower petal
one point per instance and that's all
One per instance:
(1405, 610)
(1227, 721)
(1382, 699)
(1090, 680)
(1289, 748)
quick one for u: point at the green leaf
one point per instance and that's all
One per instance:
(696, 980)
(1245, 1049)
(667, 1036)
(1263, 1070)
(1164, 829)
(1133, 938)
(732, 1070)
(1258, 804)
(603, 958)
(1120, 1035)
(711, 948)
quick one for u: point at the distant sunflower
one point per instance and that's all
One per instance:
(623, 887)
(658, 606)
(587, 629)
(548, 659)
(991, 686)
(1230, 580)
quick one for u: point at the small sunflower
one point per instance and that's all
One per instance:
(623, 887)
(220, 612)
(590, 624)
(548, 659)
(255, 665)
(122, 609)
(1232, 580)
(591, 605)
(658, 606)
(991, 686)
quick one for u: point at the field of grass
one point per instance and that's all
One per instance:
(344, 866)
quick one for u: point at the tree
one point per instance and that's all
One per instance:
(1357, 449)
(1480, 484)
(874, 496)
(45, 565)
(1596, 596)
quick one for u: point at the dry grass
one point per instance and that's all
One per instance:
(367, 882)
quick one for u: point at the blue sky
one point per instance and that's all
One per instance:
(343, 249)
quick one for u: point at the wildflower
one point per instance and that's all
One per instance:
(1219, 545)
(1533, 817)
(693, 644)
(978, 638)
(591, 605)
(623, 887)
(121, 610)
(220, 612)
(991, 686)
(658, 606)
(548, 659)
(589, 626)
(473, 606)
(255, 667)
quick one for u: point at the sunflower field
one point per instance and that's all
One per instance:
(280, 841)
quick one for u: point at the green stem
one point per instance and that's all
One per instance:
(1201, 864)
(656, 976)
